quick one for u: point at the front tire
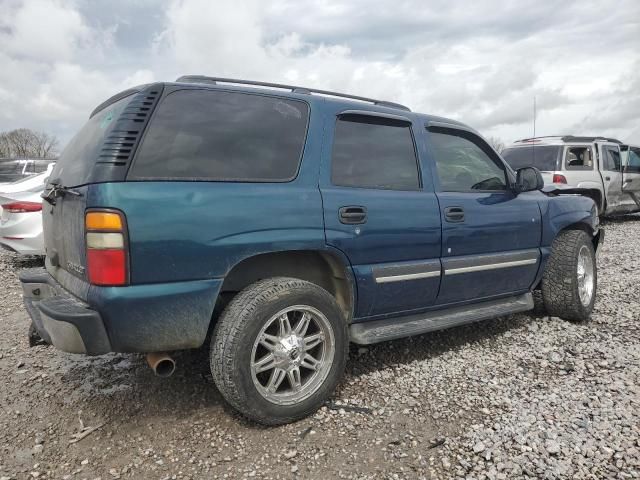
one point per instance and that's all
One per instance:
(570, 278)
(279, 349)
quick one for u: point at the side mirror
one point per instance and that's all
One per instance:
(528, 179)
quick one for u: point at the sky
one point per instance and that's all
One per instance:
(480, 62)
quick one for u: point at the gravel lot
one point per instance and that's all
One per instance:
(513, 397)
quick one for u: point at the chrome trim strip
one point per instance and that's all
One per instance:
(398, 272)
(491, 266)
(408, 276)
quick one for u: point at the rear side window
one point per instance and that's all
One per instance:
(578, 158)
(544, 158)
(373, 152)
(223, 136)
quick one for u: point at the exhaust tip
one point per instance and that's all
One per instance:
(161, 364)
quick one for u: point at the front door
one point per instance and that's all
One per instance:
(490, 235)
(379, 213)
(631, 174)
(611, 171)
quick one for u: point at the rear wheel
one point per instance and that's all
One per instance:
(279, 349)
(570, 277)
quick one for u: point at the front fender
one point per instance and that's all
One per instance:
(564, 211)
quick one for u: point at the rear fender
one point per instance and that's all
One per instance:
(587, 189)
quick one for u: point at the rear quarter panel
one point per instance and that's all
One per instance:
(181, 231)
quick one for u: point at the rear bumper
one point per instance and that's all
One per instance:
(135, 318)
(60, 318)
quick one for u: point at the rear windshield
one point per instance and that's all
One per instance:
(544, 158)
(76, 161)
(223, 136)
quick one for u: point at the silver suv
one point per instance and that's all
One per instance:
(601, 168)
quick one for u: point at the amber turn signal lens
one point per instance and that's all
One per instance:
(103, 221)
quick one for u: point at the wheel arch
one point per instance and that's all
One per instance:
(598, 197)
(328, 269)
(595, 236)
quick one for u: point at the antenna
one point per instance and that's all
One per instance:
(533, 149)
(534, 116)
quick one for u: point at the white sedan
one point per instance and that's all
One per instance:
(21, 219)
(21, 223)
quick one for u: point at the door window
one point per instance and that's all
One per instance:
(373, 152)
(578, 158)
(633, 163)
(463, 162)
(611, 157)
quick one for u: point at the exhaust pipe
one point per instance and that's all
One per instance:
(161, 364)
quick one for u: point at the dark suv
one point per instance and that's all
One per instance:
(277, 224)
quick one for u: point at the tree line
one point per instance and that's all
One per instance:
(27, 143)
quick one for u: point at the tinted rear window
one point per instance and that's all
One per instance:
(544, 158)
(370, 152)
(223, 136)
(80, 155)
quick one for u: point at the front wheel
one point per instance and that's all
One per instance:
(279, 350)
(570, 278)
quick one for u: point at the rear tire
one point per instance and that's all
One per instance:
(279, 349)
(570, 278)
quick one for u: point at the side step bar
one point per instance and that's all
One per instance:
(366, 333)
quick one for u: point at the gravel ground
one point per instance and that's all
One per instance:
(522, 396)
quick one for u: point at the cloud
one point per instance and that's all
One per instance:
(481, 62)
(619, 106)
(43, 31)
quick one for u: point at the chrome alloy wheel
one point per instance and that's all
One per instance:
(586, 277)
(292, 355)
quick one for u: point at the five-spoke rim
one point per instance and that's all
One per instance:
(586, 283)
(292, 355)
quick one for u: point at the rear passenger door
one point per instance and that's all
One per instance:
(379, 212)
(490, 235)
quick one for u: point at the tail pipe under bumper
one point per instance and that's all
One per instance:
(161, 364)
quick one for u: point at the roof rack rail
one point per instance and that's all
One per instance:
(291, 88)
(572, 138)
(529, 139)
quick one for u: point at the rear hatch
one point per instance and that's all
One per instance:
(100, 152)
(545, 158)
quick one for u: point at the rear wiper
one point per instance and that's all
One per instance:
(56, 190)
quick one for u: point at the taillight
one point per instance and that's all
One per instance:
(557, 178)
(22, 207)
(107, 262)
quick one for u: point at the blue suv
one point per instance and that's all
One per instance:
(276, 224)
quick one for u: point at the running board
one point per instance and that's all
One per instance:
(375, 331)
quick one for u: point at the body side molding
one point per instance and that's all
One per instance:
(492, 261)
(406, 271)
